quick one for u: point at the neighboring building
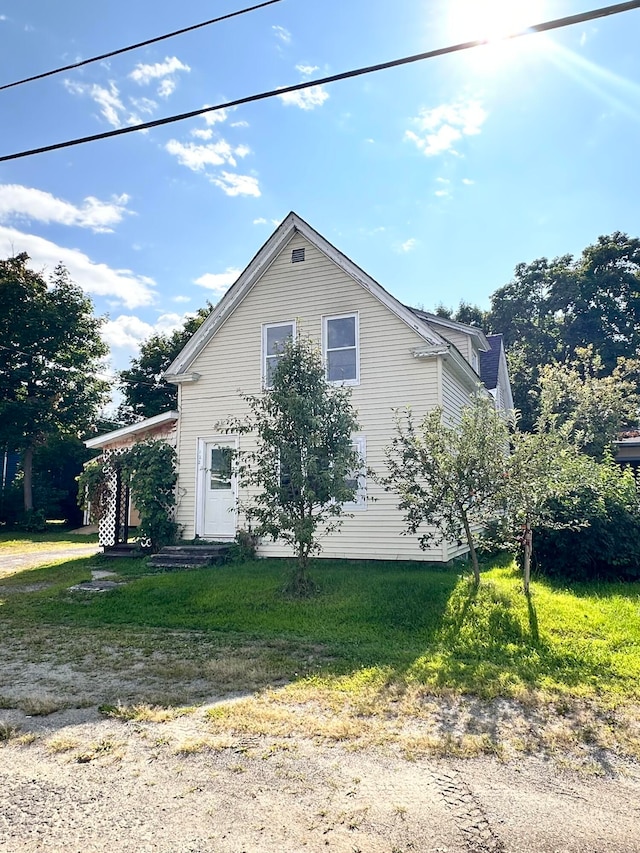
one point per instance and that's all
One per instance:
(628, 450)
(121, 515)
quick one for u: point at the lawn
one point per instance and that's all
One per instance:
(401, 624)
(13, 541)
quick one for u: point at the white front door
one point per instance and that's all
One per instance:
(218, 490)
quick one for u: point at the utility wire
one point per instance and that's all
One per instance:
(139, 44)
(546, 26)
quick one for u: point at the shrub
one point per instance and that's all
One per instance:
(603, 540)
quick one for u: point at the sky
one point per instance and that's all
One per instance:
(437, 178)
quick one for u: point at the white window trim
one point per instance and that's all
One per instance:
(266, 326)
(325, 347)
(360, 502)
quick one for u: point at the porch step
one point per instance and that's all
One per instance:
(123, 549)
(189, 556)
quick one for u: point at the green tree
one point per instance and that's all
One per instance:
(302, 470)
(50, 354)
(590, 407)
(145, 392)
(551, 309)
(449, 475)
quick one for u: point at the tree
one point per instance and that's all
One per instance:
(449, 475)
(551, 309)
(590, 407)
(302, 471)
(50, 355)
(467, 313)
(144, 390)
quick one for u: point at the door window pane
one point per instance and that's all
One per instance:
(220, 468)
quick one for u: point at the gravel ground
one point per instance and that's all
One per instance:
(86, 783)
(16, 562)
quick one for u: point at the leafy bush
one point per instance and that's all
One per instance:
(602, 539)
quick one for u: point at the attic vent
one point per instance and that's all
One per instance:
(297, 256)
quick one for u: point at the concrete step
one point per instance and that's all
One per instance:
(189, 556)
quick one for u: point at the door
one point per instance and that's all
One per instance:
(219, 493)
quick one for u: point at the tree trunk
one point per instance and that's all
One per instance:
(27, 464)
(472, 551)
(526, 564)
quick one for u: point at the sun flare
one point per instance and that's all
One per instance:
(492, 20)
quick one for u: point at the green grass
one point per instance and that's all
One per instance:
(400, 623)
(14, 541)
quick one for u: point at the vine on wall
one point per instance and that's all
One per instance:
(150, 468)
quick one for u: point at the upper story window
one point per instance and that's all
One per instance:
(274, 338)
(474, 360)
(340, 336)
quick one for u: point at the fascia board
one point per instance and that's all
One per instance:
(459, 327)
(132, 429)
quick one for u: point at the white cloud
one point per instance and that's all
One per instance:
(260, 221)
(144, 74)
(409, 245)
(196, 157)
(167, 87)
(442, 126)
(19, 202)
(305, 99)
(122, 285)
(234, 185)
(129, 331)
(307, 70)
(215, 116)
(108, 100)
(442, 193)
(240, 124)
(202, 132)
(144, 105)
(219, 282)
(181, 299)
(126, 331)
(282, 34)
(468, 182)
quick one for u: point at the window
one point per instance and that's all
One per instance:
(274, 338)
(341, 348)
(358, 479)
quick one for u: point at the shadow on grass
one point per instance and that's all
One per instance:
(420, 625)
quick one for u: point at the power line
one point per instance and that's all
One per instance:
(139, 44)
(546, 26)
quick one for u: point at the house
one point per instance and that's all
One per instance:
(390, 355)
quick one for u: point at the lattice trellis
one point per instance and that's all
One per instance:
(113, 526)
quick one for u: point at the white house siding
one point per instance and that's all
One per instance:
(390, 377)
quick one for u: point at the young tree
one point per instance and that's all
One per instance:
(51, 351)
(302, 471)
(449, 475)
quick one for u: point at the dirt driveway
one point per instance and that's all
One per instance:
(11, 562)
(86, 783)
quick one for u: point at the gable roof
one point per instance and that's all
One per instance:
(179, 369)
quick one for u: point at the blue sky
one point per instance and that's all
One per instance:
(436, 178)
